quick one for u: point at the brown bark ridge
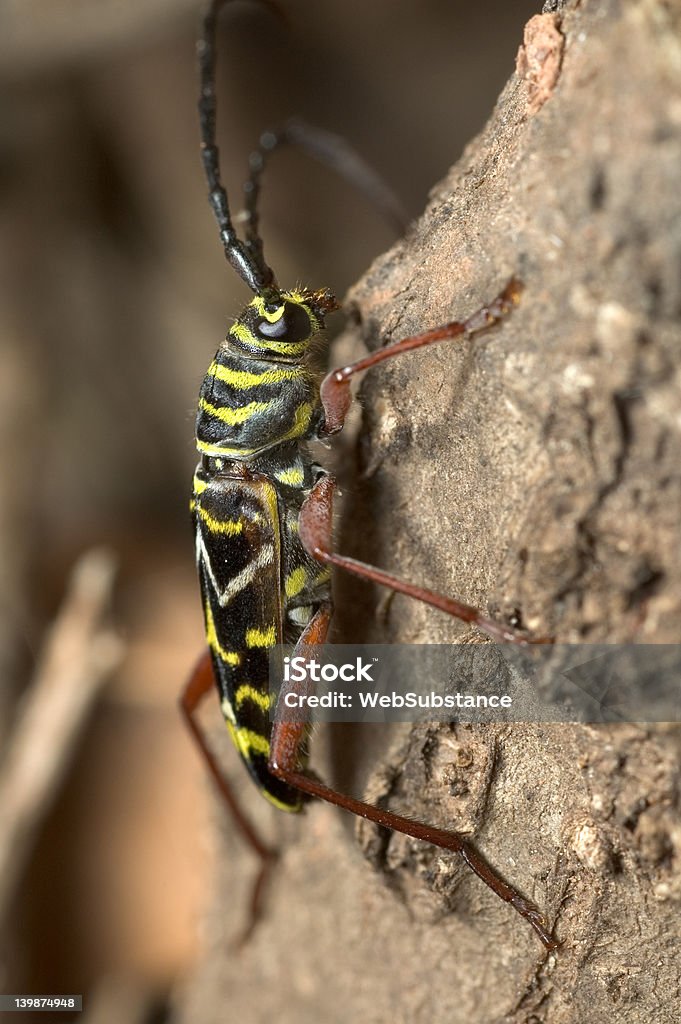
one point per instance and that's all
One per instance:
(534, 471)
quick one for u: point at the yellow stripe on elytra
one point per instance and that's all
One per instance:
(232, 416)
(295, 582)
(230, 527)
(280, 803)
(248, 692)
(240, 380)
(248, 741)
(269, 496)
(229, 657)
(261, 637)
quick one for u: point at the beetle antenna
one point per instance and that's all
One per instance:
(250, 266)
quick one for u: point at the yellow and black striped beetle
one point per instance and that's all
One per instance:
(262, 512)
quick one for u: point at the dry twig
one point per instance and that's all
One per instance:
(78, 656)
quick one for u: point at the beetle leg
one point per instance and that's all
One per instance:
(200, 684)
(315, 523)
(287, 735)
(335, 388)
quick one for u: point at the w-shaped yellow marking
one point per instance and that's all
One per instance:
(261, 637)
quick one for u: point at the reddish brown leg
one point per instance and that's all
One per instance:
(315, 524)
(315, 516)
(201, 683)
(284, 763)
(335, 389)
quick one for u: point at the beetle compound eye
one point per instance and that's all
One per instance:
(293, 325)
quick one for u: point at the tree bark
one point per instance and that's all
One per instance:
(533, 471)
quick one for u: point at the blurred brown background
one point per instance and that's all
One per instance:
(114, 294)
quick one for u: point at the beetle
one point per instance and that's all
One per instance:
(262, 513)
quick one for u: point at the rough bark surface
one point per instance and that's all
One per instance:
(534, 471)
